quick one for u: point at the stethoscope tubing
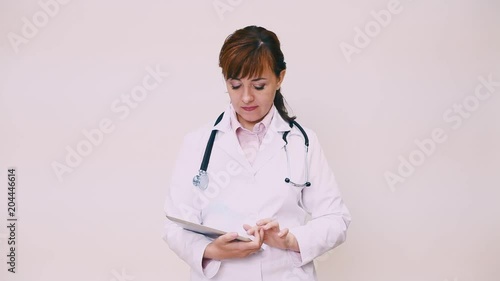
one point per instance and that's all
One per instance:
(210, 145)
(201, 179)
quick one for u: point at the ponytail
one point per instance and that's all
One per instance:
(280, 104)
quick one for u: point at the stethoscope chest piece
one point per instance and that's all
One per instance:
(201, 180)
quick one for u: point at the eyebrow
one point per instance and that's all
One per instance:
(253, 80)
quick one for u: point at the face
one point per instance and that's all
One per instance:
(253, 97)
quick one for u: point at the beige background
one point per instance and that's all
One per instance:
(104, 219)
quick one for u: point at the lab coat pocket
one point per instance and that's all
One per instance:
(293, 272)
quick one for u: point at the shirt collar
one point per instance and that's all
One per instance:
(277, 122)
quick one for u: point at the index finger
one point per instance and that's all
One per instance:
(228, 237)
(272, 224)
(264, 221)
(259, 235)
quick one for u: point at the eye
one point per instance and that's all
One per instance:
(259, 87)
(235, 87)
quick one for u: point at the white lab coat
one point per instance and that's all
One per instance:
(241, 193)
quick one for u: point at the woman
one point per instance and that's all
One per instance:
(263, 181)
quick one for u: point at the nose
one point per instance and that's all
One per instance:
(247, 96)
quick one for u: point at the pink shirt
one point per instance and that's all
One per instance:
(250, 140)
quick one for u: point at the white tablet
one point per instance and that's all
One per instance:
(205, 230)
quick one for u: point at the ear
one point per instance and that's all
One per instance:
(281, 77)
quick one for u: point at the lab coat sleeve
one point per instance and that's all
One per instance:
(330, 217)
(181, 203)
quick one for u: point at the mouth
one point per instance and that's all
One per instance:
(248, 108)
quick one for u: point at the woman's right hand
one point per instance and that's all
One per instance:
(224, 247)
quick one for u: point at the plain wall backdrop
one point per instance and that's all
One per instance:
(404, 96)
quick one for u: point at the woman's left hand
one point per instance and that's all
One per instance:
(273, 236)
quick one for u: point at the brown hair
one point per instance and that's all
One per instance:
(248, 52)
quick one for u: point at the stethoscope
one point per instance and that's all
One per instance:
(201, 179)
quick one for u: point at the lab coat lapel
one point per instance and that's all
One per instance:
(227, 141)
(273, 141)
